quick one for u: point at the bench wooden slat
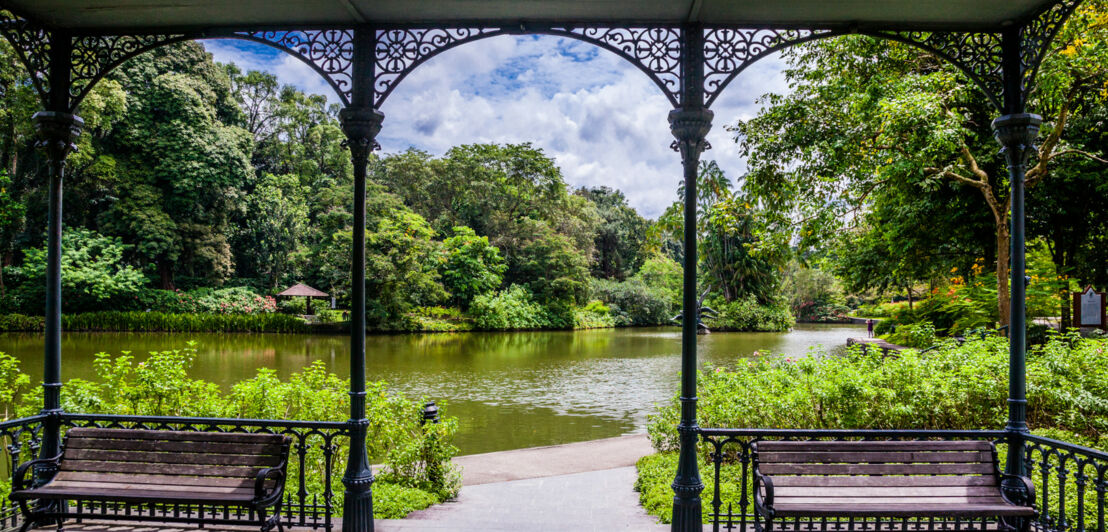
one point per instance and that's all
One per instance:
(875, 457)
(125, 495)
(68, 484)
(174, 446)
(894, 480)
(866, 446)
(876, 469)
(86, 476)
(174, 435)
(159, 469)
(852, 501)
(883, 491)
(154, 458)
(901, 510)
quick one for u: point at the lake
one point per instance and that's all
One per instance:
(509, 390)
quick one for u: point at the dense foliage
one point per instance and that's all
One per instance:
(416, 457)
(954, 387)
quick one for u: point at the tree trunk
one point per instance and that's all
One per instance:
(1067, 300)
(910, 301)
(1003, 255)
(165, 271)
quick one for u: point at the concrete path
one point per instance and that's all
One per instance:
(579, 486)
(596, 500)
(552, 460)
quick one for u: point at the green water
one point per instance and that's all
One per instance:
(509, 390)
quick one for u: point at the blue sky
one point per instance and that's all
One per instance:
(600, 118)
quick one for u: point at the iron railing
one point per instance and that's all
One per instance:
(732, 501)
(1071, 482)
(317, 452)
(19, 439)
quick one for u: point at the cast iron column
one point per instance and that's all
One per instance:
(690, 124)
(1016, 132)
(58, 130)
(361, 123)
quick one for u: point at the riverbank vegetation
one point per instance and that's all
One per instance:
(953, 387)
(202, 189)
(416, 470)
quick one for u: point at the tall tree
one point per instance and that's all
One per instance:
(868, 114)
(620, 235)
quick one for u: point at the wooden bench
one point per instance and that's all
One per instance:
(166, 476)
(870, 480)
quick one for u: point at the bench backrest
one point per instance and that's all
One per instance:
(218, 455)
(884, 458)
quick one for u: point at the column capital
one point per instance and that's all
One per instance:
(690, 127)
(1016, 134)
(361, 124)
(58, 132)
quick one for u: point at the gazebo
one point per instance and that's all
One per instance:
(691, 49)
(305, 291)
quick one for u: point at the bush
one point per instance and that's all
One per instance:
(632, 302)
(748, 315)
(416, 457)
(21, 323)
(919, 335)
(821, 312)
(440, 319)
(953, 387)
(513, 308)
(234, 300)
(163, 322)
(594, 315)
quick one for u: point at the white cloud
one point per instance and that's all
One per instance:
(598, 116)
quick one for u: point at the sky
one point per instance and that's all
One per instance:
(600, 118)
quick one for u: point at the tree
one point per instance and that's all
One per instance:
(620, 235)
(94, 273)
(472, 267)
(739, 255)
(867, 115)
(186, 163)
(273, 228)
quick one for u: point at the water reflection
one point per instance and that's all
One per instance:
(510, 390)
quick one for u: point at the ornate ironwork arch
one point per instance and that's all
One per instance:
(329, 52)
(655, 50)
(32, 46)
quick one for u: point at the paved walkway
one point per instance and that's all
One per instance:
(579, 486)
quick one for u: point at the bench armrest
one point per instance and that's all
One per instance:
(261, 496)
(1024, 485)
(19, 476)
(763, 505)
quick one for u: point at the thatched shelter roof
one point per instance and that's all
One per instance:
(303, 290)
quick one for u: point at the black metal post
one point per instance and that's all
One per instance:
(361, 123)
(1016, 132)
(58, 130)
(689, 124)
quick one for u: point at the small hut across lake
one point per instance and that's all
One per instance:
(307, 292)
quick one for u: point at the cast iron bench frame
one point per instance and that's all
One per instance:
(899, 480)
(147, 475)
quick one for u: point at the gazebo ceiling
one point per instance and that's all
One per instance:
(120, 15)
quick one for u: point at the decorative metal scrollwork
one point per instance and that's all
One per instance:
(399, 51)
(329, 52)
(978, 55)
(728, 51)
(1036, 38)
(94, 56)
(654, 50)
(32, 44)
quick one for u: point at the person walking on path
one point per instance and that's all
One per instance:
(869, 327)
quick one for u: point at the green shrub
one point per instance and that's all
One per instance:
(919, 335)
(953, 387)
(440, 319)
(416, 457)
(513, 308)
(633, 302)
(594, 315)
(748, 315)
(21, 323)
(233, 300)
(163, 322)
(391, 501)
(655, 479)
